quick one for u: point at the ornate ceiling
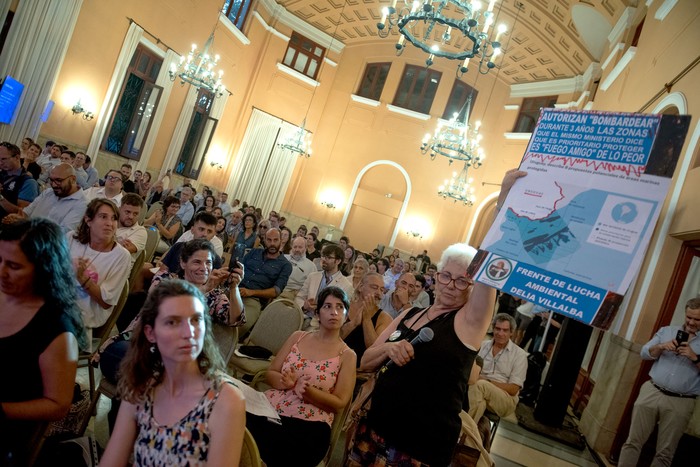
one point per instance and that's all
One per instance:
(547, 39)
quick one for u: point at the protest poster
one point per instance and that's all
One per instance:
(572, 234)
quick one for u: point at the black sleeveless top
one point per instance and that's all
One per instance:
(415, 408)
(356, 339)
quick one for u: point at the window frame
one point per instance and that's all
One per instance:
(465, 90)
(374, 93)
(530, 108)
(199, 138)
(421, 97)
(300, 50)
(149, 77)
(238, 18)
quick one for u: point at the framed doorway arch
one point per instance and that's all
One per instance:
(355, 186)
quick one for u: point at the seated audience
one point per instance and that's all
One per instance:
(312, 377)
(359, 269)
(129, 186)
(311, 252)
(221, 230)
(346, 266)
(111, 191)
(93, 176)
(179, 407)
(48, 161)
(267, 274)
(393, 274)
(17, 187)
(203, 226)
(186, 211)
(101, 264)
(29, 161)
(64, 203)
(301, 268)
(155, 193)
(244, 240)
(81, 175)
(366, 320)
(503, 375)
(285, 238)
(166, 222)
(319, 280)
(143, 185)
(130, 234)
(420, 297)
(382, 267)
(399, 299)
(209, 203)
(40, 333)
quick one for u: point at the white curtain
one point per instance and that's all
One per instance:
(33, 54)
(131, 40)
(4, 8)
(163, 81)
(262, 170)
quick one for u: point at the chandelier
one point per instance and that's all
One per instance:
(430, 25)
(299, 141)
(456, 139)
(458, 188)
(198, 69)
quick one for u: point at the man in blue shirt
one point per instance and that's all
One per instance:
(669, 397)
(186, 207)
(266, 275)
(17, 187)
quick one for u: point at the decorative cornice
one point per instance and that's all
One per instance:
(364, 100)
(408, 113)
(518, 136)
(619, 68)
(274, 31)
(613, 52)
(547, 88)
(624, 22)
(300, 76)
(223, 20)
(301, 26)
(665, 9)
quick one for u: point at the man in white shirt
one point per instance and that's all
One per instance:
(130, 234)
(204, 226)
(331, 256)
(223, 204)
(111, 191)
(503, 373)
(301, 268)
(393, 274)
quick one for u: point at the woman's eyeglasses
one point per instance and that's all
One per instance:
(461, 283)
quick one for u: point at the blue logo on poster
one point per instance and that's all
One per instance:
(499, 269)
(624, 213)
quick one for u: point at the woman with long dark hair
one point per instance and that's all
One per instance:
(312, 377)
(178, 406)
(245, 239)
(40, 332)
(101, 263)
(167, 223)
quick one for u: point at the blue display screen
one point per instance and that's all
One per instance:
(10, 93)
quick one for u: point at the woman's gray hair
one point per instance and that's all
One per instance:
(460, 253)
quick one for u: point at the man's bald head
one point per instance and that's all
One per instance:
(62, 180)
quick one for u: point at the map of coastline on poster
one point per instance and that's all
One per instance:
(572, 234)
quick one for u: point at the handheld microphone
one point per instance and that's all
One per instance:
(425, 335)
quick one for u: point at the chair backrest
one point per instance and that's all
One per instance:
(250, 455)
(136, 268)
(151, 244)
(226, 338)
(103, 331)
(276, 323)
(336, 429)
(157, 206)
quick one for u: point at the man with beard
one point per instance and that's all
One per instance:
(17, 187)
(301, 268)
(64, 203)
(331, 256)
(130, 234)
(266, 274)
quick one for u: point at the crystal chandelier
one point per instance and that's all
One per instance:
(198, 69)
(299, 141)
(456, 139)
(458, 188)
(430, 25)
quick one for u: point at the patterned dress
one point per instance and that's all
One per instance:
(324, 374)
(183, 443)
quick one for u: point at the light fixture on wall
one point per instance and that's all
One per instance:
(329, 204)
(430, 26)
(414, 233)
(217, 165)
(78, 109)
(458, 188)
(456, 139)
(198, 68)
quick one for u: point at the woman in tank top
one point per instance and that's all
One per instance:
(312, 378)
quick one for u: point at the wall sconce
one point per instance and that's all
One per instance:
(217, 165)
(78, 109)
(414, 233)
(329, 204)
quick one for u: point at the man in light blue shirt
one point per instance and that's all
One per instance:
(186, 208)
(669, 397)
(92, 175)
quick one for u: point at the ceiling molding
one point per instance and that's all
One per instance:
(621, 65)
(665, 9)
(622, 24)
(237, 33)
(547, 88)
(274, 31)
(302, 27)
